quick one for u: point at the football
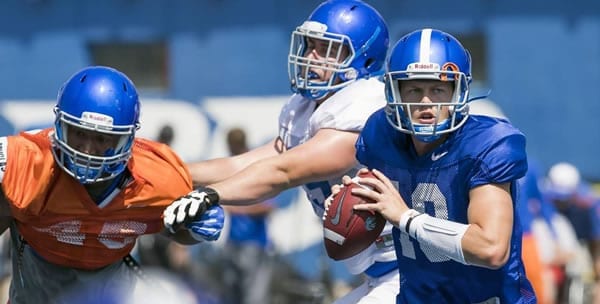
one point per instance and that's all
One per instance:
(347, 231)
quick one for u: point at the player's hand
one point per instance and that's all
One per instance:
(335, 189)
(209, 226)
(189, 208)
(382, 191)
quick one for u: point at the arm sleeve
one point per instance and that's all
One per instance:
(504, 160)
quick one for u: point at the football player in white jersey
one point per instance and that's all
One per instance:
(335, 60)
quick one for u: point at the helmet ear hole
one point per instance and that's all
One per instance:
(369, 62)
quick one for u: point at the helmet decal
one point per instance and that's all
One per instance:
(451, 67)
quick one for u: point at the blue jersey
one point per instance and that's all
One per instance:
(485, 150)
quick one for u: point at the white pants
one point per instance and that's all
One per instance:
(380, 290)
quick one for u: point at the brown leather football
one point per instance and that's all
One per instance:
(347, 231)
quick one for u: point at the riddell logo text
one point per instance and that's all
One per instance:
(425, 66)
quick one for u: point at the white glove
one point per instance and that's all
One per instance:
(189, 211)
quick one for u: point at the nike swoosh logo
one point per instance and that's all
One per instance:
(336, 219)
(370, 223)
(435, 157)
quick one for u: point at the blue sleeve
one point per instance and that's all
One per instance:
(503, 160)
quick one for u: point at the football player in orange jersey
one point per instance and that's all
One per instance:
(77, 196)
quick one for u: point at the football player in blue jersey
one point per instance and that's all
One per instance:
(335, 61)
(445, 179)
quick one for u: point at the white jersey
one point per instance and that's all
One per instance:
(346, 110)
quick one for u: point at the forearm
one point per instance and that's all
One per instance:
(330, 153)
(443, 235)
(214, 170)
(254, 184)
(485, 250)
(464, 243)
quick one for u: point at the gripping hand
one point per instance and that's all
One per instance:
(208, 227)
(190, 211)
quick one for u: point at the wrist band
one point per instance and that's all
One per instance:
(406, 218)
(410, 219)
(211, 194)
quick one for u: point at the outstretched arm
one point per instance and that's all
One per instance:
(204, 219)
(215, 170)
(328, 154)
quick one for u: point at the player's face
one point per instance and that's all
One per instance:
(91, 142)
(323, 52)
(426, 93)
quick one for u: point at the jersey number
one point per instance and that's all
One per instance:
(114, 235)
(426, 193)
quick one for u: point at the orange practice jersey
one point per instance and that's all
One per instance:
(59, 220)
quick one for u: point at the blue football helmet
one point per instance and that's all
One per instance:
(350, 25)
(98, 99)
(434, 55)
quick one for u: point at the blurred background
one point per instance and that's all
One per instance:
(203, 67)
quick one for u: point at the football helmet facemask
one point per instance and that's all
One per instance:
(96, 100)
(428, 54)
(354, 39)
